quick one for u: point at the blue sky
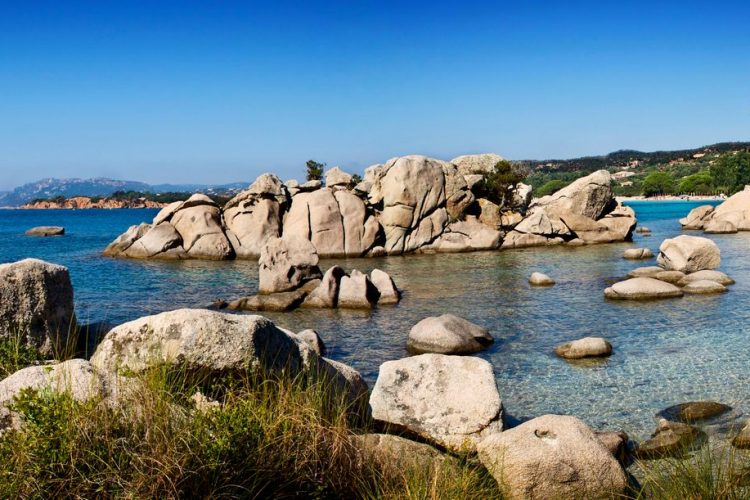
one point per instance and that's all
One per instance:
(222, 91)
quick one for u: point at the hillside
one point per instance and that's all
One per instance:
(48, 189)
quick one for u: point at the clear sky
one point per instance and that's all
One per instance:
(219, 91)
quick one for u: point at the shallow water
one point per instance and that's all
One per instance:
(665, 352)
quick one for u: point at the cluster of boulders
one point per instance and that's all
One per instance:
(289, 277)
(687, 264)
(730, 216)
(408, 204)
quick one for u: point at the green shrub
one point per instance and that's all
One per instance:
(14, 355)
(551, 187)
(499, 184)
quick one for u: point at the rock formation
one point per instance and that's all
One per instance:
(408, 204)
(729, 217)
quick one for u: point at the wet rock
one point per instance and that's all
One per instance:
(642, 230)
(645, 272)
(389, 294)
(36, 304)
(287, 263)
(587, 347)
(671, 439)
(642, 289)
(704, 287)
(447, 334)
(451, 401)
(742, 439)
(689, 254)
(279, 301)
(552, 456)
(46, 231)
(694, 411)
(637, 254)
(540, 279)
(709, 275)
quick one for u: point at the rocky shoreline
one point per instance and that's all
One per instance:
(86, 202)
(409, 204)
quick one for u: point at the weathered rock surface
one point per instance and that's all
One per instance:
(356, 291)
(673, 277)
(447, 334)
(312, 338)
(46, 231)
(481, 164)
(449, 400)
(389, 294)
(326, 295)
(642, 289)
(540, 279)
(587, 347)
(36, 304)
(199, 223)
(336, 177)
(637, 254)
(75, 377)
(730, 216)
(396, 453)
(589, 196)
(706, 274)
(279, 301)
(694, 411)
(125, 240)
(720, 227)
(286, 263)
(742, 439)
(671, 439)
(704, 287)
(467, 236)
(201, 340)
(697, 217)
(689, 254)
(155, 242)
(411, 190)
(552, 456)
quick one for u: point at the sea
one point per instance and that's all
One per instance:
(665, 352)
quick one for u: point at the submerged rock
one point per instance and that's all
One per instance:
(448, 400)
(643, 230)
(586, 347)
(642, 289)
(540, 279)
(689, 254)
(671, 439)
(694, 411)
(447, 334)
(552, 456)
(742, 439)
(36, 305)
(279, 301)
(46, 231)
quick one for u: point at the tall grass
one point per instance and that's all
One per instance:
(268, 437)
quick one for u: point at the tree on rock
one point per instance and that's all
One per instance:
(315, 170)
(500, 183)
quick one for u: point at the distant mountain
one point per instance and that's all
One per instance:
(51, 188)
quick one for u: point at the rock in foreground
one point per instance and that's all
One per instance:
(671, 439)
(36, 304)
(552, 456)
(449, 400)
(447, 334)
(694, 411)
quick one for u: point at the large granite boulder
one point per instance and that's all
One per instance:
(156, 242)
(642, 289)
(75, 377)
(199, 224)
(447, 334)
(395, 453)
(589, 196)
(389, 294)
(336, 222)
(411, 191)
(286, 263)
(326, 294)
(466, 236)
(689, 254)
(200, 340)
(481, 164)
(36, 305)
(552, 456)
(255, 215)
(451, 401)
(125, 240)
(697, 217)
(356, 291)
(458, 196)
(335, 177)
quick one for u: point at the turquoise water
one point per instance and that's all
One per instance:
(665, 352)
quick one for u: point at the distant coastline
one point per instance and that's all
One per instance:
(85, 202)
(671, 198)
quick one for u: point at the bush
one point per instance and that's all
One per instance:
(500, 183)
(657, 183)
(700, 183)
(551, 187)
(14, 355)
(315, 170)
